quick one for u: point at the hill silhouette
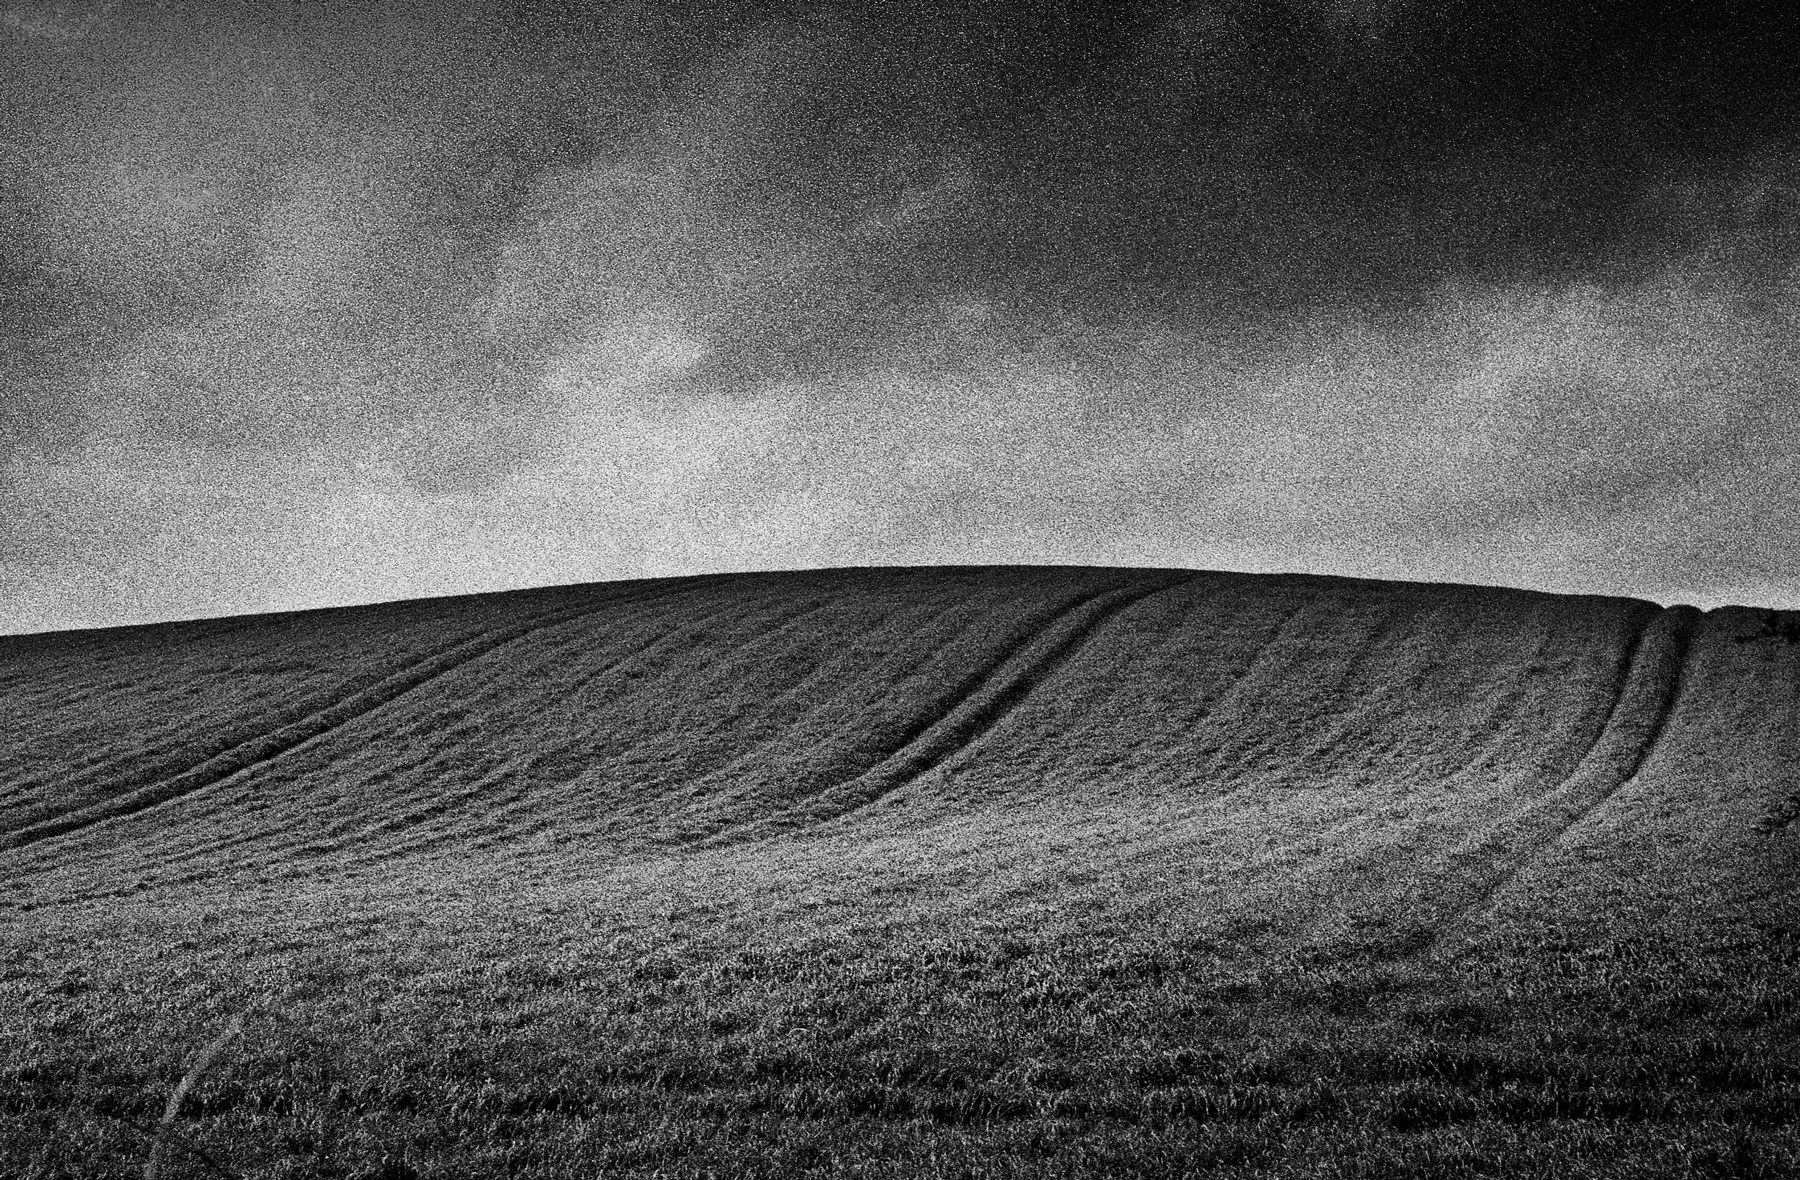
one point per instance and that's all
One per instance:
(1414, 780)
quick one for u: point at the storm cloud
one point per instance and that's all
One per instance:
(303, 304)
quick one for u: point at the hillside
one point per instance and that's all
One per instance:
(1429, 798)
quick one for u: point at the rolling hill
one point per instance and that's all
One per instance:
(907, 871)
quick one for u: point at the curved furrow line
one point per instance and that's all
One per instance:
(174, 765)
(997, 691)
(270, 746)
(750, 756)
(1385, 702)
(1233, 751)
(497, 820)
(254, 719)
(1220, 803)
(362, 832)
(1494, 724)
(1640, 712)
(1187, 845)
(1262, 652)
(1331, 738)
(691, 625)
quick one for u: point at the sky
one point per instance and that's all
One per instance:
(307, 304)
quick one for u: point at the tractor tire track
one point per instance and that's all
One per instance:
(360, 832)
(1640, 712)
(496, 820)
(218, 739)
(1217, 809)
(748, 758)
(985, 700)
(1264, 649)
(1261, 758)
(260, 751)
(1378, 701)
(1212, 706)
(210, 851)
(219, 742)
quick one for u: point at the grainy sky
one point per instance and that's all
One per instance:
(305, 304)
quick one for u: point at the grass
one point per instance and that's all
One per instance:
(165, 1129)
(1245, 877)
(560, 1035)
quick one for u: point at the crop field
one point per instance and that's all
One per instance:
(906, 872)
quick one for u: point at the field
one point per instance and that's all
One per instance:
(908, 872)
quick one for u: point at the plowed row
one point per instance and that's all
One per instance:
(1415, 741)
(1408, 790)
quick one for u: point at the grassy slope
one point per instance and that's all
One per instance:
(1015, 870)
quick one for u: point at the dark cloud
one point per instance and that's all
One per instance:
(1233, 283)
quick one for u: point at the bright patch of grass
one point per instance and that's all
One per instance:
(553, 1036)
